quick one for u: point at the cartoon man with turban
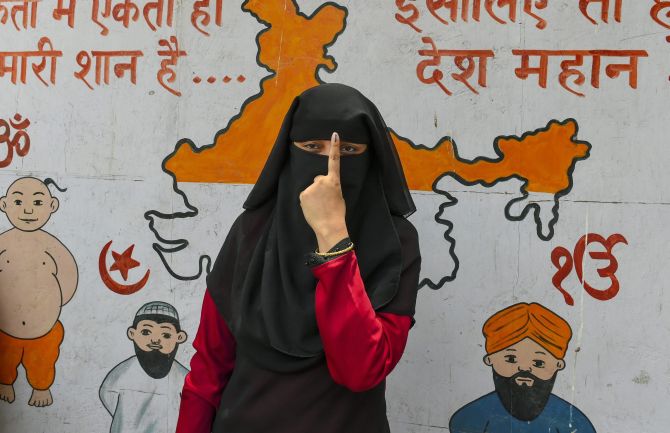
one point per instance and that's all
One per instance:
(525, 346)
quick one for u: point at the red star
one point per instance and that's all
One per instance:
(124, 262)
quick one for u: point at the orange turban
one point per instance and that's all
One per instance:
(519, 321)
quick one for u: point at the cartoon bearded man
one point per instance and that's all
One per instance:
(142, 393)
(525, 347)
(38, 275)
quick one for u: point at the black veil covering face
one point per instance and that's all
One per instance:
(259, 281)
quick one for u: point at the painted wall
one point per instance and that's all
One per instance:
(533, 135)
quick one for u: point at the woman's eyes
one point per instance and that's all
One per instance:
(313, 146)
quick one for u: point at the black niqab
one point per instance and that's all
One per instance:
(259, 281)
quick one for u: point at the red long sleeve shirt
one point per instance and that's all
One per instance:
(361, 346)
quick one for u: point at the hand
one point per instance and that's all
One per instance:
(322, 202)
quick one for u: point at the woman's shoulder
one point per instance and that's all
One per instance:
(251, 220)
(407, 233)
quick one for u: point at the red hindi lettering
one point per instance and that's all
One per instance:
(26, 8)
(568, 70)
(60, 11)
(158, 8)
(19, 62)
(604, 10)
(434, 61)
(126, 11)
(106, 13)
(538, 4)
(18, 67)
(4, 13)
(167, 72)
(472, 57)
(660, 13)
(199, 13)
(53, 57)
(569, 67)
(408, 20)
(465, 60)
(473, 9)
(614, 70)
(102, 62)
(435, 5)
(511, 9)
(525, 70)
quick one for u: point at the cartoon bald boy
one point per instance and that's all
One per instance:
(525, 347)
(38, 275)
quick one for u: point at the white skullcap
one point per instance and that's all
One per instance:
(158, 307)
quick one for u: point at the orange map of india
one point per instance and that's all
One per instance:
(294, 47)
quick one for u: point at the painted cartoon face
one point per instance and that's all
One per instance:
(322, 147)
(150, 335)
(525, 356)
(28, 204)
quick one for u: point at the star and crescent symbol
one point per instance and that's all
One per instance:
(123, 262)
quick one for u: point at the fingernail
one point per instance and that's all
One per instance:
(336, 136)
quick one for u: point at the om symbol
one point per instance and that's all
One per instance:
(565, 268)
(14, 143)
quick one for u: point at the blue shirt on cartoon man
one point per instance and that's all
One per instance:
(487, 414)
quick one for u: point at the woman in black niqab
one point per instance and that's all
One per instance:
(265, 292)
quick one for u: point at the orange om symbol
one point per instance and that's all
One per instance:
(564, 268)
(14, 143)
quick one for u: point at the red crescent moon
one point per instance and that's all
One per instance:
(121, 289)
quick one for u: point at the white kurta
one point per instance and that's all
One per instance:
(139, 403)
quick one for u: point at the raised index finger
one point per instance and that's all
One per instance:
(334, 156)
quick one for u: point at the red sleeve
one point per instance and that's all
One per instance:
(211, 367)
(362, 347)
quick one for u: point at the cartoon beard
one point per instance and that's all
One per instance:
(155, 363)
(522, 401)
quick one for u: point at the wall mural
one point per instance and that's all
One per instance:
(123, 262)
(38, 276)
(564, 262)
(544, 163)
(526, 345)
(142, 393)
